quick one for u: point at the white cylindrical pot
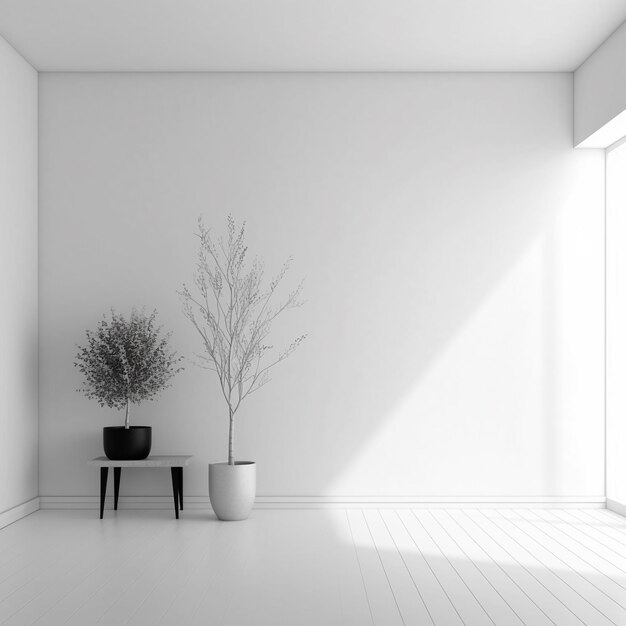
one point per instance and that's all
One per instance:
(232, 489)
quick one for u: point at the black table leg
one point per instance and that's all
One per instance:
(180, 486)
(117, 474)
(175, 489)
(104, 472)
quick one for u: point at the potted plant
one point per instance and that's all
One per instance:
(124, 362)
(233, 311)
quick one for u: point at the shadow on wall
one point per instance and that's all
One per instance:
(453, 276)
(454, 352)
(434, 345)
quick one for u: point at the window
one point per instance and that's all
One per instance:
(616, 322)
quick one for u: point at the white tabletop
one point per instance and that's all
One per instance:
(151, 461)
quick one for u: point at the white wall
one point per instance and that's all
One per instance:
(18, 279)
(452, 243)
(600, 94)
(615, 316)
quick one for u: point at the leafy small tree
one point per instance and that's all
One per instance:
(126, 361)
(233, 312)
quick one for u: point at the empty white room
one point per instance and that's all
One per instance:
(313, 312)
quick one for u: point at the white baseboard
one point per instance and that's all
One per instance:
(616, 507)
(18, 512)
(332, 502)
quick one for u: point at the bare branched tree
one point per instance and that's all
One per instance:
(233, 312)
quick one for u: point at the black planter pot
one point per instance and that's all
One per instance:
(127, 444)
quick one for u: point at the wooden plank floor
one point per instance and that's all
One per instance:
(322, 567)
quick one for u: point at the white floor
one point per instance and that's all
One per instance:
(319, 567)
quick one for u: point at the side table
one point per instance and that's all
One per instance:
(175, 463)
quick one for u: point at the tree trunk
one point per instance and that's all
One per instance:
(231, 432)
(127, 418)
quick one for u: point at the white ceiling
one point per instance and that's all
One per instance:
(308, 35)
